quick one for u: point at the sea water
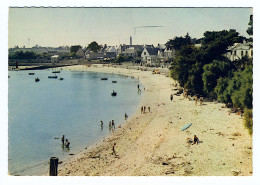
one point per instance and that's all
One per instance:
(41, 112)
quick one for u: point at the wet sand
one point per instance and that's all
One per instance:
(152, 143)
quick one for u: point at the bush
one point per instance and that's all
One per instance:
(248, 120)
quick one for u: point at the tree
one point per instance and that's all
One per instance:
(178, 42)
(250, 28)
(212, 72)
(93, 46)
(74, 49)
(120, 58)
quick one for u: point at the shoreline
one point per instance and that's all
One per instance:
(152, 144)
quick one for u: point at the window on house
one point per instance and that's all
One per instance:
(144, 53)
(235, 52)
(242, 53)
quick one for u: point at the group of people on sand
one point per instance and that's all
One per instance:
(66, 143)
(143, 109)
(111, 124)
(200, 99)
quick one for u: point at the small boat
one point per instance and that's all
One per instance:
(61, 78)
(55, 71)
(31, 73)
(114, 81)
(37, 79)
(113, 93)
(104, 78)
(52, 77)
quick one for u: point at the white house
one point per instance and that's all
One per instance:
(239, 50)
(55, 59)
(149, 55)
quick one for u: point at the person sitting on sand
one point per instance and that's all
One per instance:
(196, 140)
(67, 143)
(113, 149)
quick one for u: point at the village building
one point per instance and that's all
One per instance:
(149, 55)
(80, 53)
(55, 59)
(110, 52)
(239, 50)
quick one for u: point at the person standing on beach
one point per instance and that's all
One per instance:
(67, 143)
(113, 149)
(201, 100)
(113, 124)
(142, 108)
(149, 109)
(138, 86)
(101, 122)
(126, 116)
(171, 97)
(62, 139)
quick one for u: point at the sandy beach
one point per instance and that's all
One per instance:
(152, 143)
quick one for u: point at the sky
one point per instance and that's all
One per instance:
(113, 26)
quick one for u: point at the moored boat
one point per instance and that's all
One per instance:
(113, 93)
(52, 77)
(37, 79)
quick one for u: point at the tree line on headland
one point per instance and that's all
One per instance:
(206, 71)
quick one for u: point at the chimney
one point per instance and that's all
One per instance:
(130, 41)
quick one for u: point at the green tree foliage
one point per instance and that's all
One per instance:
(178, 42)
(74, 49)
(120, 58)
(24, 55)
(250, 28)
(238, 89)
(248, 120)
(93, 46)
(187, 66)
(212, 72)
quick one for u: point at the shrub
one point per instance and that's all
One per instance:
(248, 120)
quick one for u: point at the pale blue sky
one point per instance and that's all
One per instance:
(113, 26)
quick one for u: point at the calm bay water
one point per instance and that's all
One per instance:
(41, 111)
